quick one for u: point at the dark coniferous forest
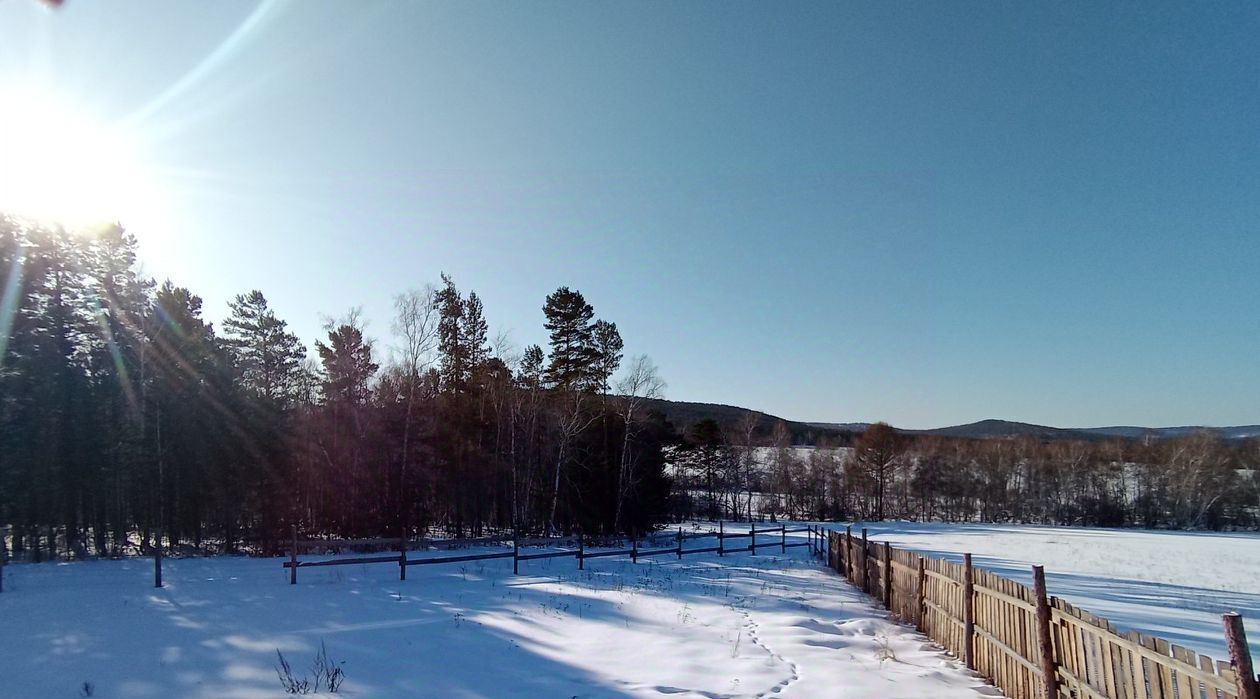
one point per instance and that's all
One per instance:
(125, 415)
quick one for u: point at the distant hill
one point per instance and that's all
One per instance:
(683, 415)
(1004, 428)
(1237, 432)
(729, 418)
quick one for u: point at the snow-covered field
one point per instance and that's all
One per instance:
(739, 626)
(1165, 583)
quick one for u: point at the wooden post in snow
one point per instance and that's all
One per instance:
(157, 559)
(1045, 647)
(402, 557)
(680, 543)
(516, 551)
(888, 586)
(634, 547)
(293, 556)
(866, 567)
(846, 553)
(969, 614)
(783, 536)
(753, 538)
(721, 539)
(921, 591)
(581, 552)
(1240, 656)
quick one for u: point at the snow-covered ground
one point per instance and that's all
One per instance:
(1165, 583)
(739, 626)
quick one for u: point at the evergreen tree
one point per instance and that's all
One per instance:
(348, 365)
(452, 346)
(607, 345)
(532, 367)
(472, 332)
(572, 354)
(267, 355)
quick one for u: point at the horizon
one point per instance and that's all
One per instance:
(921, 215)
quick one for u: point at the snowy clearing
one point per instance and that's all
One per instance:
(1166, 583)
(739, 626)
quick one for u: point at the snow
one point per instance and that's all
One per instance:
(739, 626)
(1172, 584)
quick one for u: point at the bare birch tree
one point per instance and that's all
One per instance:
(641, 382)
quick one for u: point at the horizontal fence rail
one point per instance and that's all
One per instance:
(1031, 645)
(679, 549)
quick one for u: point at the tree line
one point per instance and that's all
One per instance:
(1196, 481)
(127, 420)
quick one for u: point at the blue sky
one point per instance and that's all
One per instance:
(926, 213)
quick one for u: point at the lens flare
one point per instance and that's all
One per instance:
(59, 164)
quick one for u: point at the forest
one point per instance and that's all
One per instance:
(128, 420)
(1196, 481)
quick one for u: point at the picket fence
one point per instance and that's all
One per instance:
(1031, 645)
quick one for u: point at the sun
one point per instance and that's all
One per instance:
(61, 164)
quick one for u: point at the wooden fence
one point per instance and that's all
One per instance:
(577, 551)
(1030, 645)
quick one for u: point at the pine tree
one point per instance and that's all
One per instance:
(451, 327)
(267, 355)
(572, 354)
(532, 367)
(348, 365)
(607, 345)
(472, 332)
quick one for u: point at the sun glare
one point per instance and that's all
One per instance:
(58, 164)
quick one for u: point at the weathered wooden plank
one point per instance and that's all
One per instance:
(458, 559)
(1162, 662)
(1045, 654)
(620, 552)
(1187, 686)
(344, 561)
(657, 552)
(553, 554)
(1240, 657)
(1005, 597)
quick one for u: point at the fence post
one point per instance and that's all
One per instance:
(753, 538)
(634, 547)
(516, 551)
(866, 566)
(402, 557)
(721, 539)
(680, 543)
(1240, 656)
(846, 554)
(969, 614)
(1045, 647)
(581, 552)
(921, 607)
(888, 586)
(293, 556)
(157, 559)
